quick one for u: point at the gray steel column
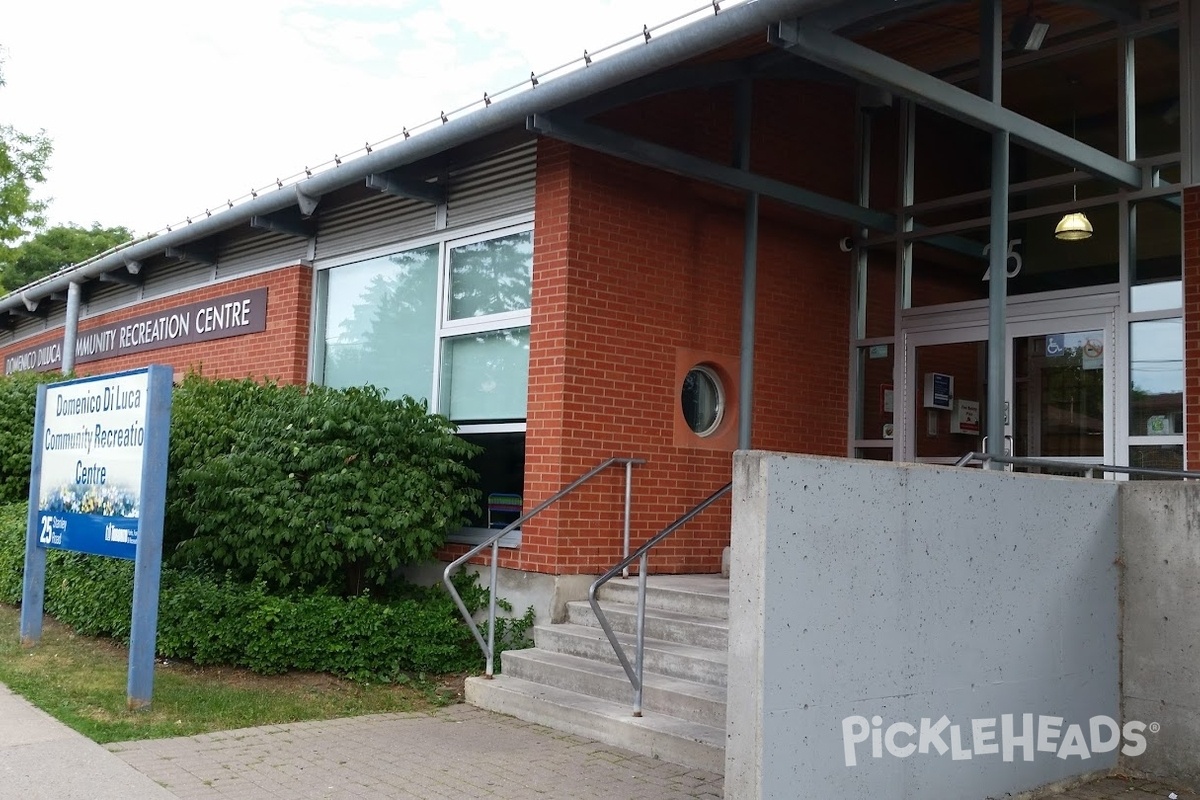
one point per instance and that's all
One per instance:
(745, 105)
(991, 35)
(1189, 82)
(70, 331)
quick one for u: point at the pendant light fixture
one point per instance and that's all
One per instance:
(1028, 32)
(1074, 226)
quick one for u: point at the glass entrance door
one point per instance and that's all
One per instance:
(1059, 391)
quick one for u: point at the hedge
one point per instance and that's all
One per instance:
(214, 620)
(307, 488)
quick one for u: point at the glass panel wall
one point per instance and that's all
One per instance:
(1157, 277)
(1156, 60)
(875, 417)
(1156, 377)
(1158, 456)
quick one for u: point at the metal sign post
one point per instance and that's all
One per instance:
(98, 486)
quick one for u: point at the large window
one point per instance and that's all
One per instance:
(371, 306)
(446, 321)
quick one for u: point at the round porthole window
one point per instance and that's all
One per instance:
(703, 400)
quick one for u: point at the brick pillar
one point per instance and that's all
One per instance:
(1191, 325)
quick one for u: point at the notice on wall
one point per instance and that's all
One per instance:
(939, 390)
(204, 321)
(93, 436)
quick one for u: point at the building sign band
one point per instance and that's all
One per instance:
(223, 317)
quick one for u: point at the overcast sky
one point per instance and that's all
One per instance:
(158, 110)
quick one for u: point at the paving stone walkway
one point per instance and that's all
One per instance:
(458, 752)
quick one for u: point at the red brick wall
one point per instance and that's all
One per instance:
(636, 273)
(1191, 325)
(280, 352)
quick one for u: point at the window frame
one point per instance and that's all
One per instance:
(444, 327)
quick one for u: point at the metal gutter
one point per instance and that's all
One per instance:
(658, 53)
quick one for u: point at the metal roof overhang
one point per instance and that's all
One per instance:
(804, 28)
(661, 52)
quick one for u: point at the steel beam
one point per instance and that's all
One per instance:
(744, 110)
(875, 68)
(289, 221)
(396, 184)
(1189, 58)
(192, 252)
(640, 151)
(991, 73)
(120, 277)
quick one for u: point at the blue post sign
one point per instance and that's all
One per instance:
(98, 486)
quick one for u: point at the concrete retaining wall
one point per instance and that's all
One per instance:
(1160, 544)
(868, 597)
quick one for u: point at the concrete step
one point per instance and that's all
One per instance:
(694, 702)
(669, 626)
(698, 595)
(657, 735)
(672, 659)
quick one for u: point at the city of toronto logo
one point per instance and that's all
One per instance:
(1009, 737)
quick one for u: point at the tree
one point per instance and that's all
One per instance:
(54, 248)
(22, 166)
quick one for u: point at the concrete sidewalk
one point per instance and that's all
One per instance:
(42, 759)
(457, 752)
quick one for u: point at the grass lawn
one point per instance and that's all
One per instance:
(81, 681)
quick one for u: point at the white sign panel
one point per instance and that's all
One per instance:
(92, 450)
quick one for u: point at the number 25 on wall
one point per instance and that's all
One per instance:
(1012, 265)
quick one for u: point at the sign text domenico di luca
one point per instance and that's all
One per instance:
(231, 315)
(93, 438)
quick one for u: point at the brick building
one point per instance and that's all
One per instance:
(693, 245)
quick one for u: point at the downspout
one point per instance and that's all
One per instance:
(70, 331)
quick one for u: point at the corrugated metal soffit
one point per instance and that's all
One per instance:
(498, 187)
(371, 222)
(175, 277)
(107, 297)
(260, 252)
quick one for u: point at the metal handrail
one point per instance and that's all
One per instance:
(489, 647)
(1091, 469)
(634, 671)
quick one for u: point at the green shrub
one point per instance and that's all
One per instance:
(18, 400)
(311, 488)
(214, 620)
(13, 519)
(298, 487)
